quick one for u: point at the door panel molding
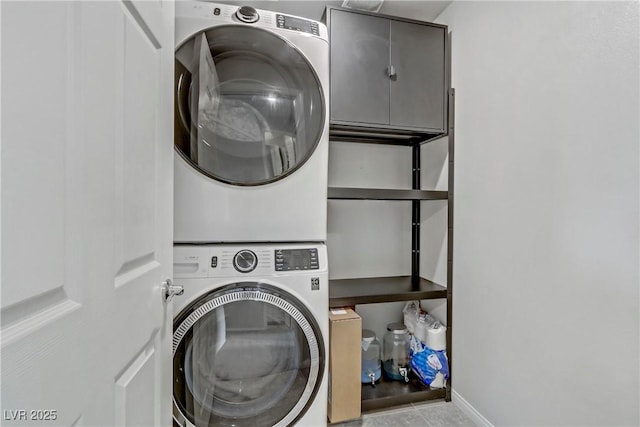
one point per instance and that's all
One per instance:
(40, 138)
(135, 269)
(34, 318)
(132, 386)
(137, 125)
(143, 24)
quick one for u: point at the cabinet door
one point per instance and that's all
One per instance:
(417, 90)
(359, 63)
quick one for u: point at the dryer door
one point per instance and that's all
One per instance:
(247, 354)
(249, 106)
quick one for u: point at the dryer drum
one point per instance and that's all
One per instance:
(249, 108)
(247, 354)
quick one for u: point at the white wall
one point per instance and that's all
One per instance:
(546, 299)
(370, 238)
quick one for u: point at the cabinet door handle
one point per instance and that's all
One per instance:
(392, 73)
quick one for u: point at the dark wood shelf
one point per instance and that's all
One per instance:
(393, 393)
(348, 292)
(384, 194)
(351, 132)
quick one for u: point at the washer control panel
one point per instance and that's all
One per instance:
(296, 259)
(248, 260)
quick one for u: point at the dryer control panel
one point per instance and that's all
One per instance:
(298, 24)
(247, 15)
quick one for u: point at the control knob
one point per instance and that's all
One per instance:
(247, 14)
(245, 261)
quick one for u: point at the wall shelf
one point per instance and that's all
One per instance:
(398, 94)
(344, 193)
(393, 393)
(348, 292)
(348, 132)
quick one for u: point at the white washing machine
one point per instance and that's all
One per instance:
(250, 335)
(251, 125)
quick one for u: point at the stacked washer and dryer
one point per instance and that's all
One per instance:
(251, 136)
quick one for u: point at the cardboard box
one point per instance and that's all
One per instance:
(345, 335)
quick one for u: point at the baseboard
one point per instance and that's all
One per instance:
(471, 412)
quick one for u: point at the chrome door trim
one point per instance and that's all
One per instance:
(267, 294)
(179, 88)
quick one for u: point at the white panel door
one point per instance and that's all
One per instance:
(87, 182)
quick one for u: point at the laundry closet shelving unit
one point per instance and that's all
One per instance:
(390, 84)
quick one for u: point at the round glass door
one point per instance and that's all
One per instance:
(246, 355)
(249, 107)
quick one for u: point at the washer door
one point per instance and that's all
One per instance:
(248, 354)
(249, 107)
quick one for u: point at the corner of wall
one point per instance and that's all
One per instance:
(472, 413)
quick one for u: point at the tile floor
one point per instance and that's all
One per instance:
(431, 414)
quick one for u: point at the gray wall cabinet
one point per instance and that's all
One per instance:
(387, 74)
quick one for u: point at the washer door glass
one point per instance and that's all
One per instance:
(249, 107)
(246, 355)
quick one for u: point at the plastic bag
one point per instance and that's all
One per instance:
(431, 366)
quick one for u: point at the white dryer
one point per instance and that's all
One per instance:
(251, 125)
(250, 335)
